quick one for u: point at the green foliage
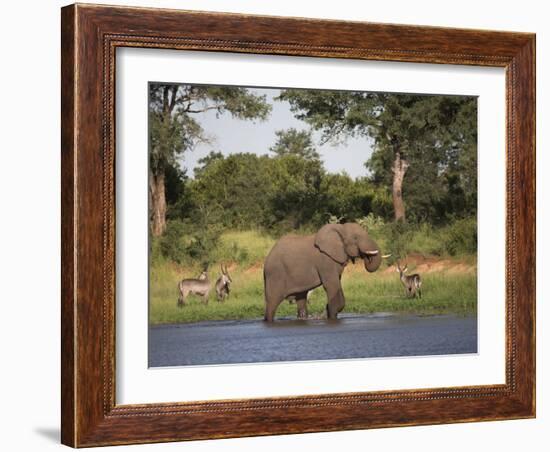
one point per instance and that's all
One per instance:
(245, 190)
(460, 237)
(177, 192)
(173, 130)
(295, 142)
(170, 135)
(295, 200)
(236, 206)
(245, 248)
(371, 222)
(435, 135)
(346, 198)
(186, 244)
(173, 244)
(291, 190)
(235, 192)
(281, 194)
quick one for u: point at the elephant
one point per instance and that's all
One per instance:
(298, 264)
(301, 304)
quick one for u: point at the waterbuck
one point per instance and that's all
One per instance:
(222, 284)
(198, 286)
(412, 283)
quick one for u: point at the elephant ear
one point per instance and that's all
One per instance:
(329, 240)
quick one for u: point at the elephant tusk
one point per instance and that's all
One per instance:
(371, 253)
(385, 256)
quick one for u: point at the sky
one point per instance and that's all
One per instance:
(231, 136)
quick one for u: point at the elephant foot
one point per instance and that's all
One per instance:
(332, 312)
(302, 309)
(269, 316)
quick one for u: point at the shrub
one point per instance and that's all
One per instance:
(183, 243)
(460, 237)
(172, 244)
(425, 239)
(400, 239)
(244, 247)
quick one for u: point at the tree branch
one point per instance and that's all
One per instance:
(189, 110)
(165, 92)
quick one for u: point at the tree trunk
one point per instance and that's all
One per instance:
(157, 203)
(399, 169)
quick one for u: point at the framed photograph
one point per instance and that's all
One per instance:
(281, 225)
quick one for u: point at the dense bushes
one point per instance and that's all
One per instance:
(400, 239)
(460, 237)
(189, 246)
(277, 194)
(259, 198)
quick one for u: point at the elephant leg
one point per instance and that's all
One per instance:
(335, 305)
(301, 304)
(274, 295)
(335, 297)
(270, 307)
(272, 302)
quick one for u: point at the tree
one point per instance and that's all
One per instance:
(406, 130)
(295, 142)
(296, 200)
(206, 161)
(246, 191)
(346, 198)
(173, 130)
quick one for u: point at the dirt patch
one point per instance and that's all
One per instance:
(431, 264)
(419, 264)
(254, 268)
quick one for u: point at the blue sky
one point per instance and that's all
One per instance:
(230, 136)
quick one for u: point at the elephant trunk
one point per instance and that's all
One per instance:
(372, 257)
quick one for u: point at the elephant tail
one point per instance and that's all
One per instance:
(265, 296)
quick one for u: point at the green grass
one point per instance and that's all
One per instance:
(443, 292)
(245, 247)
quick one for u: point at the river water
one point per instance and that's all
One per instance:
(352, 336)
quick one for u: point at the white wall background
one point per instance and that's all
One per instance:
(30, 226)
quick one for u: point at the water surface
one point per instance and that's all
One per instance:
(352, 336)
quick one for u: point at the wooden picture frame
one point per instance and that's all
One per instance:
(90, 36)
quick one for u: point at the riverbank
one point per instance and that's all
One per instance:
(449, 287)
